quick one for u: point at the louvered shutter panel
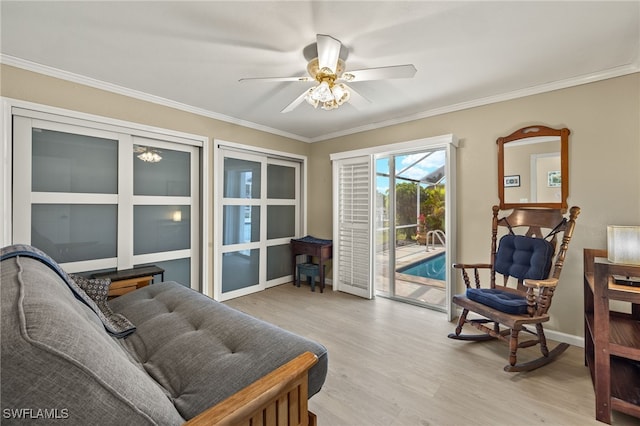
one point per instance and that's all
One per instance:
(352, 235)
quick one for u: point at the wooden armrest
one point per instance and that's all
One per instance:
(263, 395)
(550, 282)
(472, 265)
(476, 275)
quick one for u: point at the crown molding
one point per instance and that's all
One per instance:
(534, 90)
(521, 93)
(114, 88)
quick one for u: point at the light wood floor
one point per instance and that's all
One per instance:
(391, 363)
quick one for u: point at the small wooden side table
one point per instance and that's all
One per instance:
(312, 247)
(126, 280)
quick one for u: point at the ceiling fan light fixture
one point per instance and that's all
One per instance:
(340, 93)
(347, 76)
(329, 105)
(328, 95)
(327, 67)
(149, 156)
(322, 92)
(313, 68)
(313, 102)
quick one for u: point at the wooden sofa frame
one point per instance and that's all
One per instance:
(279, 398)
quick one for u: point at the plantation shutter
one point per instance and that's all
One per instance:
(352, 226)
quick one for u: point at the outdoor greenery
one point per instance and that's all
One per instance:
(432, 208)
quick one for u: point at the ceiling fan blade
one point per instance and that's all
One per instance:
(356, 99)
(303, 78)
(293, 105)
(328, 52)
(382, 73)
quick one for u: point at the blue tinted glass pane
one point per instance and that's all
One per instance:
(240, 224)
(64, 162)
(161, 228)
(281, 182)
(169, 176)
(281, 221)
(279, 262)
(178, 270)
(75, 232)
(241, 178)
(240, 269)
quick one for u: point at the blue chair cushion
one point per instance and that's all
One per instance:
(499, 299)
(524, 257)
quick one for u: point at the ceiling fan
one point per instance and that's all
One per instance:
(147, 154)
(328, 69)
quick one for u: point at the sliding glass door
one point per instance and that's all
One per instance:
(241, 209)
(165, 206)
(258, 215)
(410, 227)
(404, 197)
(96, 198)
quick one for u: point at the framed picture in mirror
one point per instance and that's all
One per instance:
(554, 179)
(512, 181)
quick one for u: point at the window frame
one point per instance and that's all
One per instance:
(266, 157)
(100, 126)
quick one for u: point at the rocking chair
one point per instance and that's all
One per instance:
(528, 259)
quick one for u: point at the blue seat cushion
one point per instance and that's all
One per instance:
(524, 257)
(501, 300)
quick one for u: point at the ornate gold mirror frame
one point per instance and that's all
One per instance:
(533, 168)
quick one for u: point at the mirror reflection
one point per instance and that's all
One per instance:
(532, 171)
(533, 168)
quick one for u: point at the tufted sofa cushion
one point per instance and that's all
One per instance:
(524, 257)
(233, 349)
(56, 355)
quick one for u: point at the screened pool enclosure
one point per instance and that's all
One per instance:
(410, 240)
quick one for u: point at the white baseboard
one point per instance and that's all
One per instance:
(564, 337)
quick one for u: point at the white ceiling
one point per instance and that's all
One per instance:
(191, 54)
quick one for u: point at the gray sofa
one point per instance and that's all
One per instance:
(63, 361)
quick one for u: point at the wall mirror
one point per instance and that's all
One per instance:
(533, 168)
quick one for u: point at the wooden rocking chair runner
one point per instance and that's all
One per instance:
(529, 260)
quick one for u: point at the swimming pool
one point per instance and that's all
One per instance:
(432, 267)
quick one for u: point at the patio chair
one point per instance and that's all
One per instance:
(527, 260)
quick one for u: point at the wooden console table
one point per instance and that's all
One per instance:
(126, 280)
(612, 339)
(314, 247)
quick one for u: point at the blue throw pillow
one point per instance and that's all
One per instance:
(524, 257)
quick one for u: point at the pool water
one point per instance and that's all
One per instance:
(433, 267)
